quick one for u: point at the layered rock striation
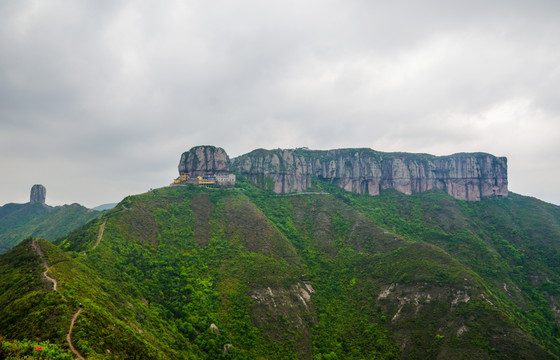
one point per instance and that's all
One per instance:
(38, 194)
(466, 176)
(204, 160)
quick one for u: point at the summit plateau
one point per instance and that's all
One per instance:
(465, 176)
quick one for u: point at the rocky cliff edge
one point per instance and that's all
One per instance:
(465, 176)
(204, 160)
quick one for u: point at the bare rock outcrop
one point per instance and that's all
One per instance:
(204, 160)
(282, 171)
(38, 194)
(466, 176)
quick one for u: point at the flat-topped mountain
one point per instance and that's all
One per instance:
(209, 270)
(465, 176)
(188, 272)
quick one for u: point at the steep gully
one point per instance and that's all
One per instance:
(37, 248)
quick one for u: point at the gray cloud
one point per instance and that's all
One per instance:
(98, 100)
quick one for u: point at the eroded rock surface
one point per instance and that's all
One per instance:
(38, 194)
(466, 176)
(204, 160)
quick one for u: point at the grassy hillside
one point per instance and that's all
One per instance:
(460, 269)
(511, 243)
(192, 273)
(21, 221)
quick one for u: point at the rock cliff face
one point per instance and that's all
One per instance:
(202, 160)
(466, 176)
(38, 194)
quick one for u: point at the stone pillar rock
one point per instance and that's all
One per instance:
(38, 194)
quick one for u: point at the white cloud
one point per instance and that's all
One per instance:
(110, 94)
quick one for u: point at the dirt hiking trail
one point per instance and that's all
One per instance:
(37, 249)
(100, 234)
(69, 335)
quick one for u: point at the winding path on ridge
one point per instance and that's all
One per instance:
(100, 234)
(69, 335)
(37, 248)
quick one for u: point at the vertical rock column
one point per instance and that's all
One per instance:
(38, 194)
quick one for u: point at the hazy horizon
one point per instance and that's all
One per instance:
(99, 100)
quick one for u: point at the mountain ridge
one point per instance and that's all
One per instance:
(188, 271)
(244, 272)
(466, 176)
(37, 219)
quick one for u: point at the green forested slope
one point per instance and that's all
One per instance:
(20, 221)
(192, 273)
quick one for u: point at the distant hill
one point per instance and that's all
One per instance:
(104, 207)
(36, 219)
(244, 273)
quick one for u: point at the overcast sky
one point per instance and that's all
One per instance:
(98, 99)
